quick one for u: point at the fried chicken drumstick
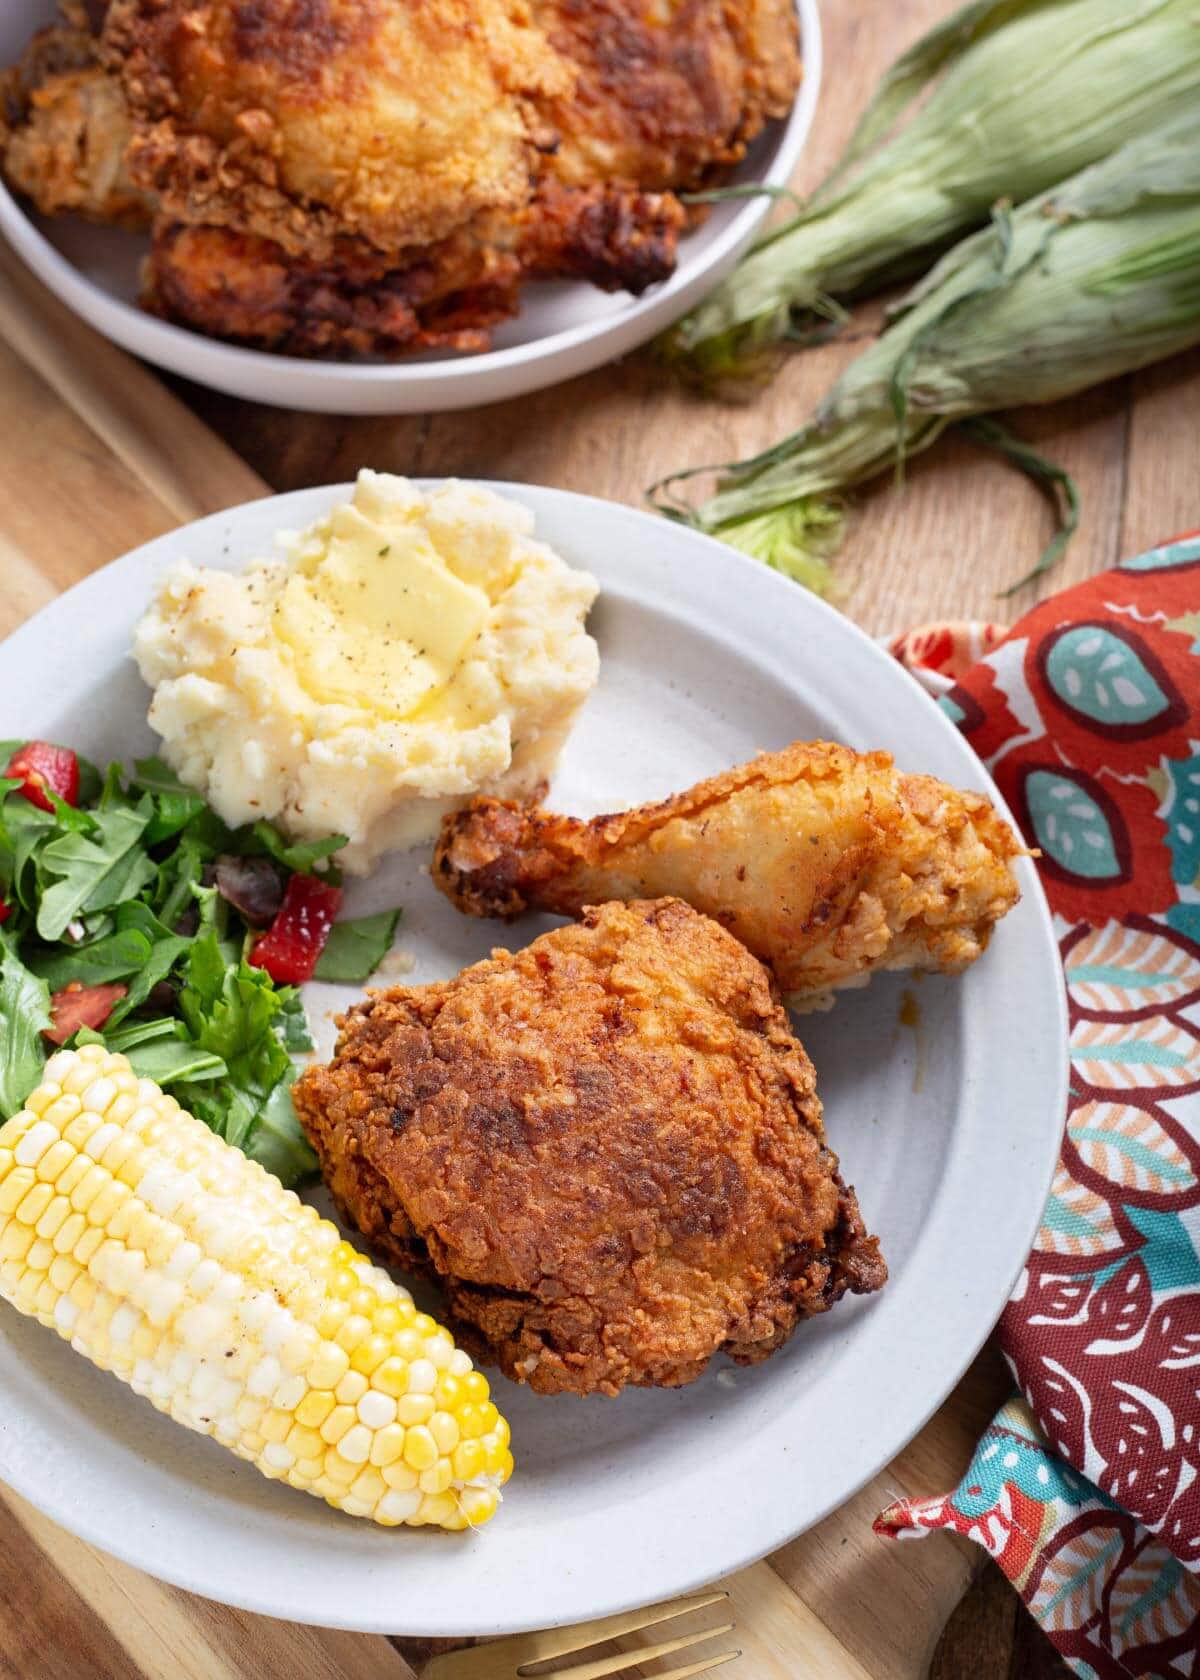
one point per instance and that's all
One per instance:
(334, 177)
(607, 1147)
(827, 864)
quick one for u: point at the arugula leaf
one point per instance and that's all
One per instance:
(231, 1011)
(177, 882)
(171, 1061)
(175, 804)
(92, 872)
(24, 1011)
(278, 1142)
(165, 950)
(112, 958)
(112, 792)
(297, 855)
(293, 1022)
(71, 817)
(154, 775)
(355, 949)
(26, 828)
(137, 1032)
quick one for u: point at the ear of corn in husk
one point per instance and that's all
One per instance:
(1030, 92)
(1093, 279)
(165, 1255)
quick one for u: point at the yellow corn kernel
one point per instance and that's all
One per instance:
(351, 1389)
(50, 1223)
(276, 1425)
(415, 1408)
(34, 1204)
(388, 1445)
(15, 1187)
(475, 1387)
(370, 1354)
(57, 1157)
(368, 1485)
(305, 1443)
(445, 1432)
(328, 1367)
(340, 1419)
(15, 1242)
(420, 1448)
(471, 1422)
(468, 1460)
(391, 1377)
(339, 1469)
(314, 1408)
(440, 1509)
(400, 1476)
(437, 1478)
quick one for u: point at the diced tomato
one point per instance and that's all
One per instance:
(295, 939)
(41, 765)
(80, 1006)
(6, 910)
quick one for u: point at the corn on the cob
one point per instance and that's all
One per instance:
(164, 1255)
(1095, 278)
(1030, 91)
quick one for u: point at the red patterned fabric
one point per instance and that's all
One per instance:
(1088, 715)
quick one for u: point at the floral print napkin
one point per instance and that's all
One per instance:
(1087, 1491)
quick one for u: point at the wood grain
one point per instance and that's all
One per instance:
(99, 455)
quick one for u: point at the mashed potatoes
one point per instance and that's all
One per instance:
(407, 651)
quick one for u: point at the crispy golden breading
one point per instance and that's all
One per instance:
(237, 286)
(64, 130)
(826, 863)
(366, 177)
(446, 295)
(666, 92)
(607, 1147)
(309, 121)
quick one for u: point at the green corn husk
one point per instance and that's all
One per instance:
(1030, 92)
(1094, 279)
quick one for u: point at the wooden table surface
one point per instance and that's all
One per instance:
(82, 480)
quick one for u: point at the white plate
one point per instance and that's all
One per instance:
(564, 328)
(949, 1134)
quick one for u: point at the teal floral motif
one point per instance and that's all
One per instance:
(1099, 675)
(1071, 827)
(1162, 559)
(1181, 811)
(1008, 1457)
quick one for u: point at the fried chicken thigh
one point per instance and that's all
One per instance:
(607, 1147)
(827, 864)
(360, 177)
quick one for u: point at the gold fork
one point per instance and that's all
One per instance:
(512, 1659)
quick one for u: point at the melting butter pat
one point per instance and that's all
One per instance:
(406, 651)
(382, 624)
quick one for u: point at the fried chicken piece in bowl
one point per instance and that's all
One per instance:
(607, 1148)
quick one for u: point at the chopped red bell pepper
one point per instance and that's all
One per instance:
(80, 1006)
(40, 765)
(295, 939)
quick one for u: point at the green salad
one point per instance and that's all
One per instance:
(131, 915)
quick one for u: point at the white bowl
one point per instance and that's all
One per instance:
(949, 1132)
(564, 327)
